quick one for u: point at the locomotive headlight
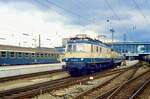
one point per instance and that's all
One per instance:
(82, 59)
(66, 59)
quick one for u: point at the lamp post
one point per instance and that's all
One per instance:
(48, 39)
(112, 31)
(3, 39)
(25, 34)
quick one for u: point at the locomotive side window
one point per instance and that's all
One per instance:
(100, 49)
(69, 48)
(74, 48)
(91, 48)
(3, 54)
(97, 49)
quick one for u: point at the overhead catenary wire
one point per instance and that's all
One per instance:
(68, 10)
(115, 14)
(147, 3)
(140, 11)
(138, 8)
(113, 11)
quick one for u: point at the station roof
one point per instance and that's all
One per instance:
(135, 43)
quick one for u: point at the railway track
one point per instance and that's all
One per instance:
(140, 91)
(6, 79)
(98, 91)
(129, 89)
(143, 92)
(36, 89)
(33, 79)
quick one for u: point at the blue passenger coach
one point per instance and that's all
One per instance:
(85, 55)
(13, 55)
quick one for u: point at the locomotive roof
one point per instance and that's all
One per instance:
(86, 39)
(27, 49)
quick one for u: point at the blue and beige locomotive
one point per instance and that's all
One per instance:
(14, 55)
(85, 55)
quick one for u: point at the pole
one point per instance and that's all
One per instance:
(39, 40)
(112, 31)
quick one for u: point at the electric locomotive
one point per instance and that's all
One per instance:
(84, 55)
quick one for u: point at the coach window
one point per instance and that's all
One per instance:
(27, 55)
(12, 54)
(52, 55)
(37, 54)
(41, 55)
(49, 55)
(20, 55)
(45, 55)
(56, 55)
(33, 54)
(3, 54)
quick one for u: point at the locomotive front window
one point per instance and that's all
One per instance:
(83, 47)
(78, 47)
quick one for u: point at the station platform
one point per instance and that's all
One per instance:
(8, 71)
(129, 63)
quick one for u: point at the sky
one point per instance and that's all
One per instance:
(22, 21)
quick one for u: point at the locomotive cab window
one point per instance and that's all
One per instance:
(3, 54)
(78, 47)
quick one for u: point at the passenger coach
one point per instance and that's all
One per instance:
(13, 55)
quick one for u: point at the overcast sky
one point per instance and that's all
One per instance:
(21, 21)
